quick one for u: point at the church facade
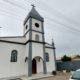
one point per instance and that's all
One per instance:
(28, 54)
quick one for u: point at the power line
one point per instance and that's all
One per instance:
(72, 30)
(29, 2)
(15, 4)
(68, 30)
(66, 26)
(41, 9)
(57, 23)
(8, 14)
(58, 13)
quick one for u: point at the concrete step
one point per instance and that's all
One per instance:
(36, 77)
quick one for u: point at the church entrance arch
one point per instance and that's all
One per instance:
(34, 66)
(37, 65)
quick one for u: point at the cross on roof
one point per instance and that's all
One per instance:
(33, 5)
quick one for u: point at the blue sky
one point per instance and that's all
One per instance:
(62, 21)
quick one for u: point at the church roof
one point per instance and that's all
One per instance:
(20, 40)
(34, 14)
(16, 39)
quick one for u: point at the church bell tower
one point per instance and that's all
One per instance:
(34, 31)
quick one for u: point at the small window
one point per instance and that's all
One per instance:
(37, 37)
(37, 25)
(26, 26)
(47, 57)
(14, 56)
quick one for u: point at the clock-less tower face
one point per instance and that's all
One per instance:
(36, 25)
(37, 30)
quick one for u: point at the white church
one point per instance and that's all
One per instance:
(28, 54)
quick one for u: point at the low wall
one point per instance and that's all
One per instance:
(70, 65)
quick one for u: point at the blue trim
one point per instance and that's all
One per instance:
(30, 51)
(54, 55)
(44, 56)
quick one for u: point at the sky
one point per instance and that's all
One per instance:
(62, 21)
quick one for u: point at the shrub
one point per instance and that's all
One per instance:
(53, 72)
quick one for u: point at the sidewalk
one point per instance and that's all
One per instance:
(37, 76)
(34, 76)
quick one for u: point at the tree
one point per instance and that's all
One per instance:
(65, 58)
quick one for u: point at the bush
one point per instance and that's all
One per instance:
(53, 72)
(65, 58)
(68, 70)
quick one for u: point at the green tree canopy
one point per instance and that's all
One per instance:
(65, 58)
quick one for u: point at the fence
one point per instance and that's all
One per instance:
(69, 65)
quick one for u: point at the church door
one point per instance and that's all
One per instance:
(34, 69)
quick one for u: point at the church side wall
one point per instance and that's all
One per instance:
(51, 64)
(11, 69)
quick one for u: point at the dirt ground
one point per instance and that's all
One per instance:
(59, 76)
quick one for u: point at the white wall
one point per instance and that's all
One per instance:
(7, 68)
(37, 50)
(34, 34)
(37, 29)
(51, 63)
(33, 25)
(40, 66)
(26, 55)
(27, 36)
(25, 30)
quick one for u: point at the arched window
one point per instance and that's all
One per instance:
(37, 37)
(47, 57)
(14, 56)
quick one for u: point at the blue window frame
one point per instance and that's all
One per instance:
(47, 57)
(14, 56)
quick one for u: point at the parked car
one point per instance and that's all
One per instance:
(75, 75)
